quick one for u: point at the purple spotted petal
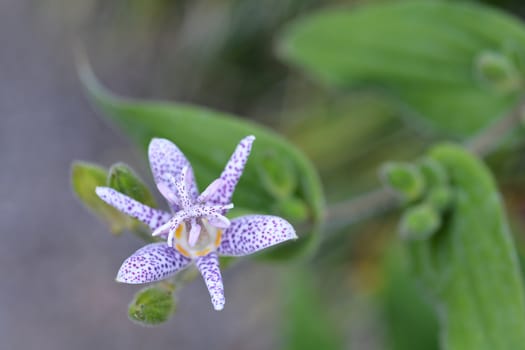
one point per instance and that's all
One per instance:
(209, 267)
(233, 171)
(151, 217)
(251, 233)
(151, 263)
(166, 162)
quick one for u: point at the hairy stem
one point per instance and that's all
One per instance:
(487, 140)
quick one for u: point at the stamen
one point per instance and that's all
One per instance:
(162, 229)
(194, 233)
(218, 220)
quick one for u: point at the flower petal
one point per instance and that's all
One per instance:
(209, 268)
(251, 233)
(233, 171)
(166, 162)
(151, 263)
(151, 217)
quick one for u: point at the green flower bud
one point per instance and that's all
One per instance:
(497, 71)
(440, 197)
(433, 172)
(403, 179)
(123, 179)
(152, 305)
(419, 222)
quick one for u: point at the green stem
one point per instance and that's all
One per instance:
(360, 208)
(488, 140)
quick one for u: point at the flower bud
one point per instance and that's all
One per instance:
(152, 305)
(497, 70)
(419, 222)
(440, 197)
(403, 179)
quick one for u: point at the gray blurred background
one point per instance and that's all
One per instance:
(57, 262)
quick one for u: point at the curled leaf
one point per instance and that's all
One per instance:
(470, 266)
(208, 138)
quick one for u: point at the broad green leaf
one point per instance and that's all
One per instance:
(470, 267)
(456, 66)
(306, 323)
(85, 177)
(208, 138)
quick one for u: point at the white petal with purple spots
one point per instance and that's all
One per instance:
(209, 268)
(151, 217)
(233, 171)
(167, 162)
(151, 263)
(251, 233)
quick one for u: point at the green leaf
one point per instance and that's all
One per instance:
(307, 324)
(152, 305)
(470, 267)
(123, 179)
(85, 177)
(456, 66)
(411, 322)
(208, 139)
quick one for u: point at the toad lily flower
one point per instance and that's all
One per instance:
(196, 230)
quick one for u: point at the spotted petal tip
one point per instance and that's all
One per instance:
(209, 268)
(151, 263)
(252, 233)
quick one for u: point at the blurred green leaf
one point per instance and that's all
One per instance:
(470, 267)
(307, 324)
(429, 54)
(85, 177)
(208, 139)
(277, 175)
(411, 323)
(152, 305)
(123, 179)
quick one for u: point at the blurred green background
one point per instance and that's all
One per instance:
(59, 263)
